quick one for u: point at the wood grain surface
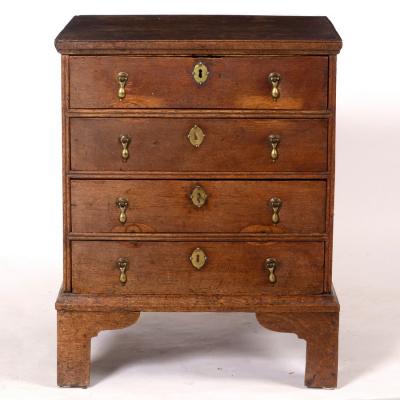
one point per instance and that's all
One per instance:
(167, 82)
(320, 330)
(199, 303)
(165, 268)
(74, 332)
(229, 145)
(160, 206)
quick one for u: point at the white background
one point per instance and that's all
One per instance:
(192, 356)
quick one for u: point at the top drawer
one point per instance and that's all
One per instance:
(228, 82)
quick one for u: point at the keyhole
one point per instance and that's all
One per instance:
(198, 258)
(199, 197)
(200, 73)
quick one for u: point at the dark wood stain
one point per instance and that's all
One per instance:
(193, 33)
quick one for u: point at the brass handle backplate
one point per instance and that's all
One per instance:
(196, 136)
(122, 264)
(274, 140)
(200, 73)
(122, 204)
(122, 79)
(276, 205)
(270, 267)
(275, 79)
(198, 258)
(198, 196)
(125, 140)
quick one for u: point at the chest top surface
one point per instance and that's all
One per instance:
(86, 34)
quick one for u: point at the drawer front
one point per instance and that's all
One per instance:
(198, 145)
(170, 206)
(168, 82)
(166, 268)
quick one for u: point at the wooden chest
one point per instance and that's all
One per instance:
(198, 175)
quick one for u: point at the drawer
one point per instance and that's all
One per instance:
(166, 268)
(168, 82)
(176, 206)
(198, 145)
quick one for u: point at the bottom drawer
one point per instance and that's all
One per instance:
(230, 268)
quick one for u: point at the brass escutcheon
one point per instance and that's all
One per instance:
(276, 204)
(122, 204)
(122, 79)
(198, 258)
(200, 73)
(198, 196)
(275, 79)
(196, 136)
(274, 140)
(122, 264)
(125, 140)
(270, 266)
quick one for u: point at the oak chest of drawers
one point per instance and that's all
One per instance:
(198, 175)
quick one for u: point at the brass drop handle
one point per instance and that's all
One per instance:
(122, 204)
(270, 267)
(198, 196)
(275, 79)
(125, 140)
(122, 79)
(122, 264)
(276, 205)
(274, 140)
(198, 258)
